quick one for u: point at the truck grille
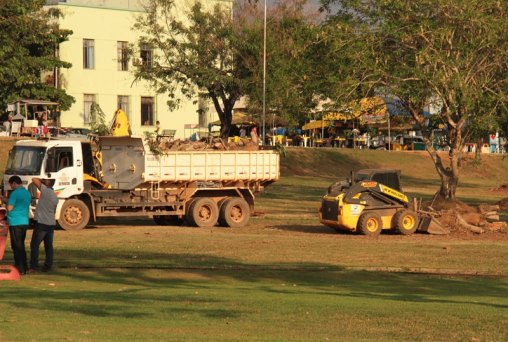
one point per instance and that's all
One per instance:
(330, 210)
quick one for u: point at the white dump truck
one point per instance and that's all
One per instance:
(202, 188)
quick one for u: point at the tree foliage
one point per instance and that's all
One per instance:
(450, 54)
(98, 120)
(196, 52)
(29, 38)
(290, 58)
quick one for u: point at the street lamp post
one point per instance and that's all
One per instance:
(264, 78)
(389, 133)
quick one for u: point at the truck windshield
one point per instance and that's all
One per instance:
(24, 160)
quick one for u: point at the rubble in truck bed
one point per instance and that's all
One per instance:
(166, 144)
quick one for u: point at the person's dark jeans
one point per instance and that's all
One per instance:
(18, 235)
(42, 232)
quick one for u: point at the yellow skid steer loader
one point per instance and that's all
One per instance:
(372, 201)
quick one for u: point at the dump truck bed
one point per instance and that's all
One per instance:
(128, 163)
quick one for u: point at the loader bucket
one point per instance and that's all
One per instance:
(432, 226)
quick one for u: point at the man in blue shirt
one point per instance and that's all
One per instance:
(18, 207)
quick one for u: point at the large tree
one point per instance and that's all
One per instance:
(29, 39)
(196, 52)
(449, 54)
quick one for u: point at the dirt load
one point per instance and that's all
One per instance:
(206, 144)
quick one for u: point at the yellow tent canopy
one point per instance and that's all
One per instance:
(238, 119)
(315, 124)
(368, 109)
(336, 116)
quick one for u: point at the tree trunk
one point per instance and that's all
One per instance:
(225, 113)
(449, 184)
(449, 174)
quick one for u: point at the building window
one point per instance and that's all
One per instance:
(88, 101)
(147, 113)
(122, 56)
(88, 53)
(123, 104)
(146, 55)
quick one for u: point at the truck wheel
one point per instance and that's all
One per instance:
(168, 220)
(74, 215)
(203, 212)
(370, 224)
(405, 222)
(234, 213)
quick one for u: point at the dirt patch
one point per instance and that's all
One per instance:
(442, 204)
(503, 187)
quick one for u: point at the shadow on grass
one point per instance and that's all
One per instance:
(296, 191)
(132, 292)
(300, 228)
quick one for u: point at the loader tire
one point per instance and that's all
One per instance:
(234, 213)
(405, 222)
(74, 215)
(370, 224)
(203, 212)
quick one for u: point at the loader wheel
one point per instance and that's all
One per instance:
(234, 213)
(74, 215)
(405, 222)
(370, 224)
(203, 212)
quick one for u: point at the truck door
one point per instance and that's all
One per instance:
(65, 166)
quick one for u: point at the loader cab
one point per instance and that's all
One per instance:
(390, 178)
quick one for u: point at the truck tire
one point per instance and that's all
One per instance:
(188, 217)
(203, 212)
(234, 212)
(74, 215)
(168, 220)
(405, 222)
(370, 224)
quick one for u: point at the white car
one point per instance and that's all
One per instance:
(80, 133)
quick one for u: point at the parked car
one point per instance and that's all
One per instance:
(408, 142)
(66, 133)
(78, 132)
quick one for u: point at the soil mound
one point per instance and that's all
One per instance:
(462, 219)
(454, 205)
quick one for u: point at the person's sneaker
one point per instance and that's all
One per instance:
(45, 269)
(33, 270)
(21, 270)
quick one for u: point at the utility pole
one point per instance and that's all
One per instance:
(264, 80)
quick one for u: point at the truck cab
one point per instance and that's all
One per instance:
(65, 162)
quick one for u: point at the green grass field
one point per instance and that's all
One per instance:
(284, 277)
(273, 305)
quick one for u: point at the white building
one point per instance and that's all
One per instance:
(102, 30)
